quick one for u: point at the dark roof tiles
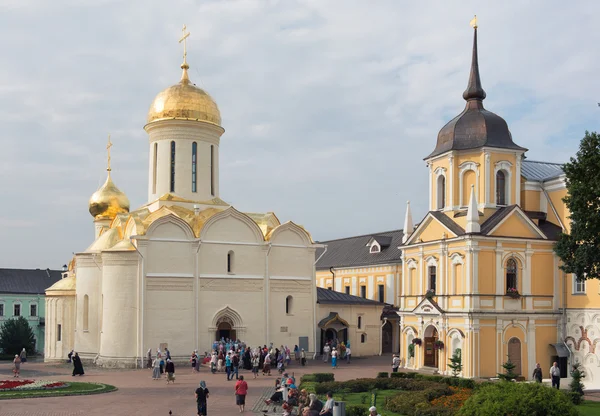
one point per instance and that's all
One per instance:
(353, 251)
(326, 296)
(27, 281)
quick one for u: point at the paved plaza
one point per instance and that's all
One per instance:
(138, 394)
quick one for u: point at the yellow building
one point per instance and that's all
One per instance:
(479, 272)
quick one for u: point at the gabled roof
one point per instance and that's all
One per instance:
(353, 251)
(533, 170)
(448, 223)
(493, 222)
(427, 306)
(440, 217)
(326, 296)
(383, 241)
(27, 281)
(496, 218)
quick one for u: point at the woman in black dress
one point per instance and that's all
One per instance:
(77, 366)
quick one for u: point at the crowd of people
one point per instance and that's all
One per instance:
(337, 350)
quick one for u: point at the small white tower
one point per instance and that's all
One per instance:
(184, 129)
(473, 214)
(408, 224)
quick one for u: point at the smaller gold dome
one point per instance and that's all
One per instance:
(108, 201)
(184, 101)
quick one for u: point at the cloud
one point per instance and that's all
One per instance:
(328, 106)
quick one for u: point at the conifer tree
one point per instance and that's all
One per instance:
(16, 334)
(580, 249)
(509, 374)
(576, 385)
(456, 362)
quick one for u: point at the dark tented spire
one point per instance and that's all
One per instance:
(474, 90)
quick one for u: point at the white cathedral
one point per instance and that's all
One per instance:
(186, 268)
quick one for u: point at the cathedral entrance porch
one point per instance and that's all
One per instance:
(224, 331)
(431, 354)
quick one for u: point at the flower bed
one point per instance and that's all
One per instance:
(21, 385)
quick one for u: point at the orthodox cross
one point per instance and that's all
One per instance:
(473, 22)
(184, 40)
(108, 146)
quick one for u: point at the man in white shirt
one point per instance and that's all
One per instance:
(395, 363)
(555, 375)
(328, 407)
(373, 411)
(326, 350)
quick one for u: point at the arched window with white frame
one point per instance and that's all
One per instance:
(502, 183)
(441, 192)
(500, 188)
(512, 270)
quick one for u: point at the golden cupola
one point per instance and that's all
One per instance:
(184, 101)
(108, 200)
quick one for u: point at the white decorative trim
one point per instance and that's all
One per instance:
(464, 168)
(187, 275)
(506, 166)
(231, 276)
(289, 278)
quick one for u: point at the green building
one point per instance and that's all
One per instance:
(22, 293)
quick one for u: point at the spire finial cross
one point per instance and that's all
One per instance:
(183, 39)
(473, 22)
(108, 146)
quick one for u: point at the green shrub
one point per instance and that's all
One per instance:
(323, 377)
(517, 399)
(310, 386)
(307, 377)
(383, 374)
(357, 410)
(576, 384)
(399, 374)
(405, 402)
(434, 411)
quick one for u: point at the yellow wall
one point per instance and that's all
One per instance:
(556, 199)
(487, 272)
(530, 200)
(515, 226)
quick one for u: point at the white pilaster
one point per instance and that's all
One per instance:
(488, 184)
(530, 346)
(450, 202)
(517, 176)
(527, 278)
(500, 290)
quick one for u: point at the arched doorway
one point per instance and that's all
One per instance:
(431, 355)
(225, 331)
(387, 338)
(514, 354)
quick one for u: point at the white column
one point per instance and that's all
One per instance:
(527, 277)
(431, 207)
(421, 272)
(487, 178)
(499, 276)
(442, 276)
(517, 176)
(475, 274)
(450, 202)
(556, 291)
(467, 278)
(355, 286)
(530, 347)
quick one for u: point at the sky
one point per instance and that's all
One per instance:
(329, 107)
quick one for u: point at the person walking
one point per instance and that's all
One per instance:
(297, 354)
(255, 361)
(194, 361)
(228, 366)
(23, 356)
(170, 369)
(241, 389)
(395, 363)
(537, 373)
(201, 397)
(16, 366)
(77, 366)
(348, 354)
(161, 361)
(213, 362)
(149, 358)
(334, 356)
(156, 369)
(555, 375)
(235, 363)
(326, 351)
(303, 357)
(267, 365)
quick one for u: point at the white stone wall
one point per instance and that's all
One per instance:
(60, 310)
(89, 282)
(184, 133)
(583, 337)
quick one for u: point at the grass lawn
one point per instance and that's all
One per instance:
(74, 389)
(365, 398)
(589, 408)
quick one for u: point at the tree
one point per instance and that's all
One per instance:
(580, 249)
(508, 375)
(576, 385)
(456, 362)
(16, 334)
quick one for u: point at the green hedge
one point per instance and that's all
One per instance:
(357, 410)
(383, 374)
(400, 374)
(417, 402)
(362, 385)
(450, 381)
(317, 377)
(518, 399)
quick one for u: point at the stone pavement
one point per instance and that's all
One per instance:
(138, 394)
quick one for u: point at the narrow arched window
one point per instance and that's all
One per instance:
(288, 304)
(86, 312)
(500, 188)
(154, 166)
(230, 259)
(511, 274)
(194, 165)
(359, 322)
(363, 338)
(441, 192)
(212, 170)
(173, 166)
(432, 272)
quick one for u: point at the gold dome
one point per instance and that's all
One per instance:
(108, 201)
(184, 101)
